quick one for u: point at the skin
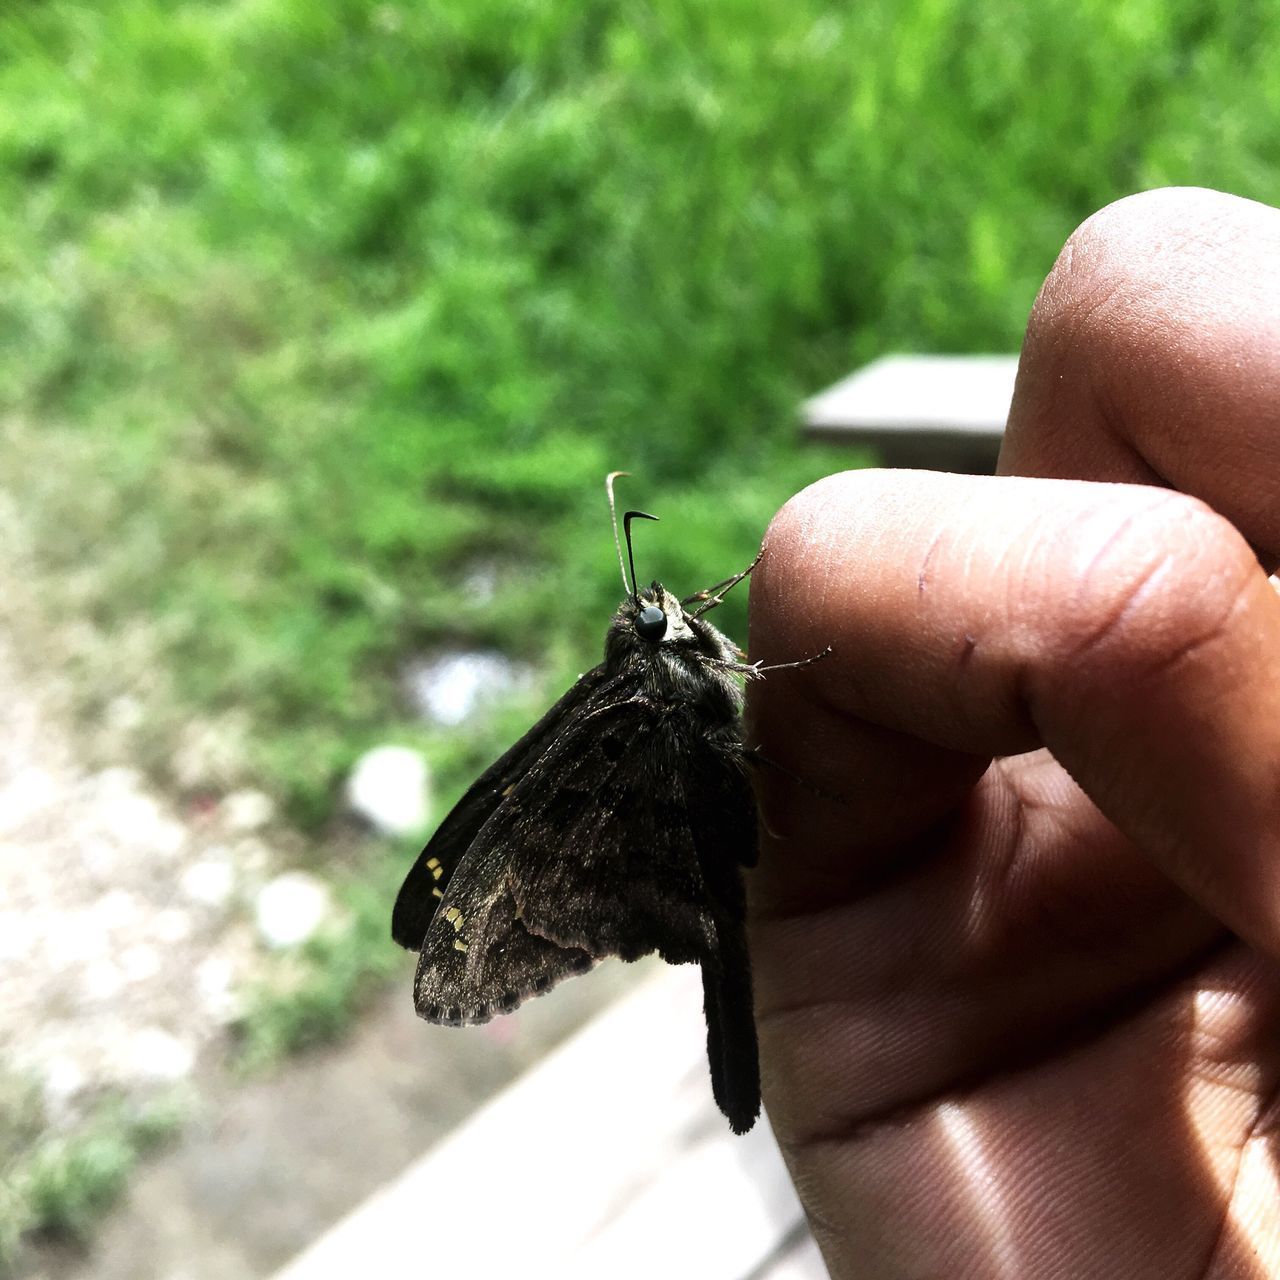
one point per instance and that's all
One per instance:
(1016, 935)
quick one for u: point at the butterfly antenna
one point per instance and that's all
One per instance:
(626, 529)
(613, 516)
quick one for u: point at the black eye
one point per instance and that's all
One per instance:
(651, 623)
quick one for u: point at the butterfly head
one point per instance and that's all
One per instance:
(652, 628)
(655, 616)
(653, 623)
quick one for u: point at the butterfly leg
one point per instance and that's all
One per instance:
(754, 756)
(713, 596)
(760, 670)
(707, 592)
(756, 670)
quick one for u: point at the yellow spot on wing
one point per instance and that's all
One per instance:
(437, 893)
(459, 945)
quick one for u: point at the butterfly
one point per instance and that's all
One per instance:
(617, 826)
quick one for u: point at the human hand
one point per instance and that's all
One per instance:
(1017, 988)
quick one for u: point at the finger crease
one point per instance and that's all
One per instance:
(1074, 1036)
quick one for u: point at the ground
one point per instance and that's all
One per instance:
(126, 938)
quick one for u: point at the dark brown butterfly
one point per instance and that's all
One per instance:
(617, 826)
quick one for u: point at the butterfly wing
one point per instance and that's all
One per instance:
(590, 851)
(479, 960)
(621, 832)
(424, 886)
(597, 840)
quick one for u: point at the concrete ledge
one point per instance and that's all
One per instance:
(937, 411)
(607, 1159)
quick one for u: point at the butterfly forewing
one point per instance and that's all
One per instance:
(424, 887)
(732, 1052)
(723, 824)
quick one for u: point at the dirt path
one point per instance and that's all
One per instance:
(122, 937)
(270, 1164)
(116, 961)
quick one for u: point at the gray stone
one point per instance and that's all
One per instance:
(136, 819)
(210, 881)
(30, 791)
(451, 687)
(290, 908)
(119, 910)
(64, 1079)
(158, 1056)
(102, 982)
(245, 811)
(171, 924)
(212, 752)
(389, 788)
(139, 962)
(215, 984)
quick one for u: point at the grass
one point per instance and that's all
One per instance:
(310, 995)
(58, 1182)
(310, 310)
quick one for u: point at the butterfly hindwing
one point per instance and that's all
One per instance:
(479, 960)
(580, 856)
(423, 888)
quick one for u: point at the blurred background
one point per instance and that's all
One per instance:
(320, 325)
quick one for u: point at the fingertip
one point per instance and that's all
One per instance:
(802, 557)
(790, 533)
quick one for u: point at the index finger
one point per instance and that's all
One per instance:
(1128, 629)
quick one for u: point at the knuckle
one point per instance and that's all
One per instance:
(1086, 293)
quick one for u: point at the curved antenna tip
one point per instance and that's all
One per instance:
(626, 529)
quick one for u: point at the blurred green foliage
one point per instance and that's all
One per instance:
(308, 309)
(311, 994)
(59, 1181)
